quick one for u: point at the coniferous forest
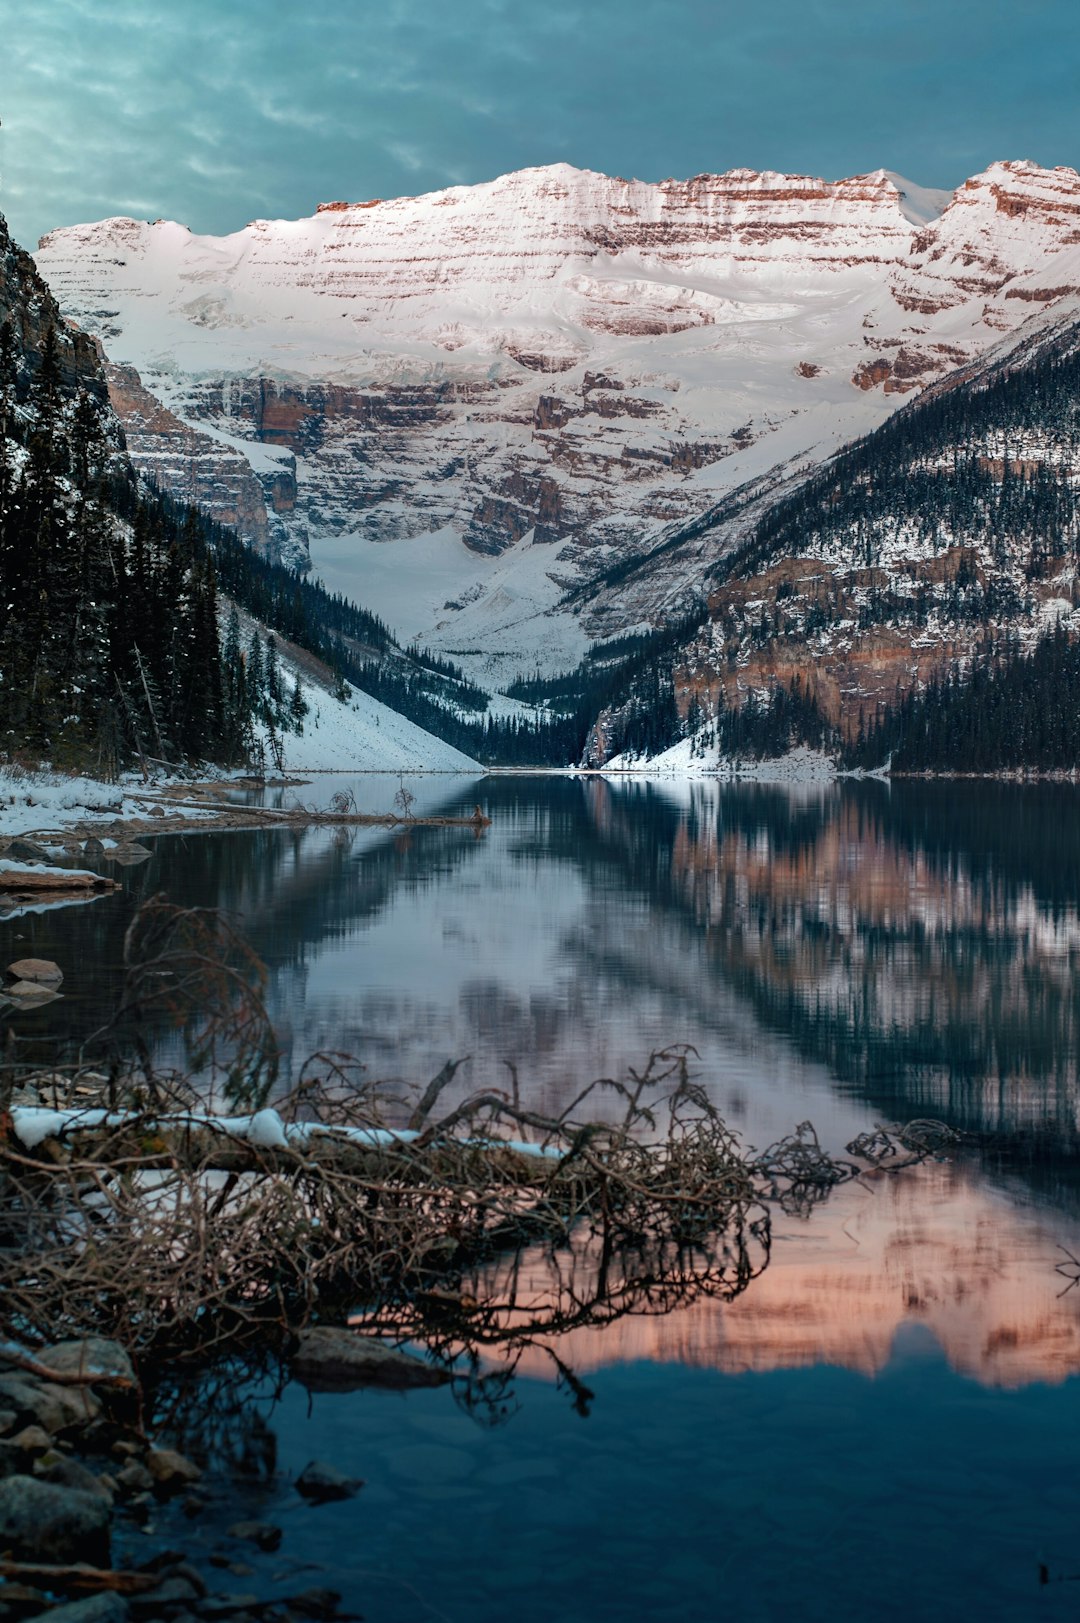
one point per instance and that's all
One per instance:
(109, 641)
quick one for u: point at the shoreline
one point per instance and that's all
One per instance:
(183, 807)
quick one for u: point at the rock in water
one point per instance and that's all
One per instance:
(40, 1521)
(331, 1359)
(323, 1483)
(42, 970)
(264, 1534)
(171, 1471)
(30, 993)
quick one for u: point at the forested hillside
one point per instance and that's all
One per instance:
(919, 595)
(109, 641)
(116, 640)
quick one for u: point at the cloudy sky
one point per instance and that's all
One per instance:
(214, 112)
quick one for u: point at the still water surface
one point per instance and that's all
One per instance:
(887, 1423)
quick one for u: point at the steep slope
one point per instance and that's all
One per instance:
(110, 617)
(558, 358)
(949, 536)
(108, 621)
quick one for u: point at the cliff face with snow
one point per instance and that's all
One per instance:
(549, 372)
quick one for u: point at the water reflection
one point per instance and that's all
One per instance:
(934, 1247)
(917, 946)
(844, 953)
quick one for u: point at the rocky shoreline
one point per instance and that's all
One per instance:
(83, 1487)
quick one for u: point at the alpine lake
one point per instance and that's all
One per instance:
(885, 1423)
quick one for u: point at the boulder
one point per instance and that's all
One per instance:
(93, 1355)
(40, 1521)
(171, 1471)
(332, 1359)
(323, 1483)
(170, 1594)
(52, 1407)
(31, 1440)
(64, 1473)
(41, 970)
(93, 847)
(134, 1478)
(27, 851)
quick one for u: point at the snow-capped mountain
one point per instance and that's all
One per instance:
(523, 383)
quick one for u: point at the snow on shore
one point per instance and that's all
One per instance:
(366, 736)
(798, 765)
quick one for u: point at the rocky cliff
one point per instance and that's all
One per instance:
(557, 358)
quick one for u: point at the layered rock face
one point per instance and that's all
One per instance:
(557, 356)
(251, 492)
(29, 308)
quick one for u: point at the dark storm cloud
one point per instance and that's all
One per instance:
(214, 112)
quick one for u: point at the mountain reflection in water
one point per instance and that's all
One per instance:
(846, 953)
(929, 1246)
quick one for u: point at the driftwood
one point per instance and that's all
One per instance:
(80, 1577)
(133, 1212)
(50, 881)
(184, 1237)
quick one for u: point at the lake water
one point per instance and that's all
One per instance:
(886, 1424)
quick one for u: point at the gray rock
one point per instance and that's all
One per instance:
(171, 1471)
(264, 1534)
(42, 1522)
(172, 1591)
(93, 1355)
(134, 1478)
(53, 1407)
(31, 1440)
(65, 1473)
(106, 1608)
(27, 851)
(93, 847)
(322, 1483)
(173, 1567)
(329, 1359)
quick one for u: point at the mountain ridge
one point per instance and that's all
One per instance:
(555, 367)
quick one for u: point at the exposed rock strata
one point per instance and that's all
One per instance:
(557, 355)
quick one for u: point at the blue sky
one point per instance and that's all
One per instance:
(217, 111)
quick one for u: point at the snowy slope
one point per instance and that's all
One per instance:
(558, 359)
(365, 736)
